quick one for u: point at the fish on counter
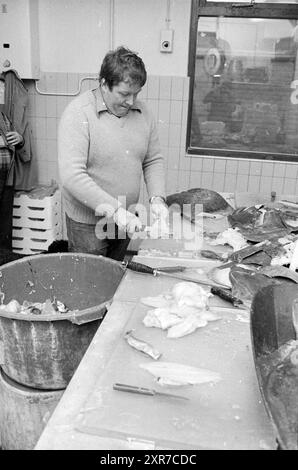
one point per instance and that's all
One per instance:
(175, 374)
(160, 301)
(191, 294)
(183, 293)
(232, 237)
(179, 321)
(181, 311)
(257, 223)
(186, 326)
(197, 200)
(161, 318)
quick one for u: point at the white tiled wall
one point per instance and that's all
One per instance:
(168, 99)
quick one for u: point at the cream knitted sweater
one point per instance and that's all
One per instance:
(101, 157)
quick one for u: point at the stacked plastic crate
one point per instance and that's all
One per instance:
(36, 220)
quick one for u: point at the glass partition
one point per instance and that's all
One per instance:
(245, 86)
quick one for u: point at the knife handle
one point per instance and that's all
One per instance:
(225, 294)
(211, 255)
(140, 268)
(133, 389)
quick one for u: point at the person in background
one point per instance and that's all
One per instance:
(107, 139)
(18, 169)
(10, 140)
(222, 103)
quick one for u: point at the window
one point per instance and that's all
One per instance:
(243, 67)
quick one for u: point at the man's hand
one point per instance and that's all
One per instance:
(159, 209)
(127, 221)
(14, 138)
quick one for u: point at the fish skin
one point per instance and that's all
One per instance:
(280, 388)
(247, 281)
(247, 220)
(279, 271)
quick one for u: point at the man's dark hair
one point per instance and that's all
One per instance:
(120, 65)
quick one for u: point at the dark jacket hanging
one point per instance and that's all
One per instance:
(16, 109)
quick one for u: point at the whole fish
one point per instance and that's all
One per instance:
(197, 200)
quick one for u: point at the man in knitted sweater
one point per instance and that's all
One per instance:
(107, 139)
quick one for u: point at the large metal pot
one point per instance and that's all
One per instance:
(43, 351)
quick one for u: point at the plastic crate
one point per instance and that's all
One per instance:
(31, 240)
(37, 212)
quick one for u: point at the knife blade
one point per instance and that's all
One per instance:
(145, 391)
(239, 255)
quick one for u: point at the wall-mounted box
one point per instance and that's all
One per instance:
(166, 40)
(19, 38)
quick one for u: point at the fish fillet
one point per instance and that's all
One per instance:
(186, 326)
(161, 318)
(160, 301)
(171, 373)
(191, 294)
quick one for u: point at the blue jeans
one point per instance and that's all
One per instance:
(82, 239)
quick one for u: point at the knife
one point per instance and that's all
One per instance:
(143, 268)
(239, 255)
(145, 391)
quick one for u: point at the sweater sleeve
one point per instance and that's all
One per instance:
(153, 165)
(73, 148)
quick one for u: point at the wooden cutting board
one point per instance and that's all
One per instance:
(226, 415)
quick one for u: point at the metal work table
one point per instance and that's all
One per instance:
(227, 415)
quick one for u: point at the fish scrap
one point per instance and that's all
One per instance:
(141, 346)
(49, 307)
(232, 237)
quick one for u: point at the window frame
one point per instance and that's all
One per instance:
(200, 8)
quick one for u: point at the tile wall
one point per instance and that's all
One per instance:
(168, 98)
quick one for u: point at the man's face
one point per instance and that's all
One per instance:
(121, 97)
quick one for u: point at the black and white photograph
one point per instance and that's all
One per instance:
(149, 229)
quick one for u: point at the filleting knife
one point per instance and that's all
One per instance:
(143, 268)
(238, 256)
(145, 391)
